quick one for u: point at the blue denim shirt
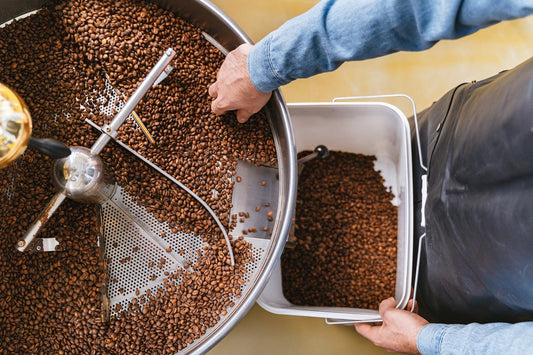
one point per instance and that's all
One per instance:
(474, 338)
(335, 31)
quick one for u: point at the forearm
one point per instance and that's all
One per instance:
(333, 32)
(492, 338)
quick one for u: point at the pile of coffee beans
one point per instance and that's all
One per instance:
(57, 61)
(346, 235)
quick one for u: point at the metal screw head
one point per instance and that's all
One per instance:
(21, 243)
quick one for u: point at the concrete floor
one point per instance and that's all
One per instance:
(425, 76)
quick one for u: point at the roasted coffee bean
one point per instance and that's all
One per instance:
(346, 233)
(59, 58)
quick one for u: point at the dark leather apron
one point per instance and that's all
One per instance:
(477, 258)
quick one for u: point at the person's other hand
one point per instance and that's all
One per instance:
(234, 90)
(399, 329)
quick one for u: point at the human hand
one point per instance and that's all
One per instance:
(399, 329)
(234, 90)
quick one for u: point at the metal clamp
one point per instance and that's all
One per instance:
(110, 131)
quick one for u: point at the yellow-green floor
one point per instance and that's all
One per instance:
(425, 76)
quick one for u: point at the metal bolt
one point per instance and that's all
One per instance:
(21, 243)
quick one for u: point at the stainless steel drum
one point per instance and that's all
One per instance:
(266, 247)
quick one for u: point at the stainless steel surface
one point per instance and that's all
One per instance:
(129, 257)
(255, 196)
(320, 151)
(256, 192)
(44, 245)
(80, 176)
(12, 9)
(163, 74)
(267, 251)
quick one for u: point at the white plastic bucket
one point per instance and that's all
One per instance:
(374, 128)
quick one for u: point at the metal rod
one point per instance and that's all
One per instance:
(111, 129)
(420, 240)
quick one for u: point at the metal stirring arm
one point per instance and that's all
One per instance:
(109, 131)
(45, 215)
(175, 181)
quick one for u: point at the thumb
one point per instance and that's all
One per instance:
(216, 107)
(243, 115)
(364, 329)
(213, 90)
(386, 305)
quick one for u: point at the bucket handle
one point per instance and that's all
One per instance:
(335, 322)
(392, 96)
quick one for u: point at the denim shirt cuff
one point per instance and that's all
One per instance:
(430, 338)
(260, 67)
